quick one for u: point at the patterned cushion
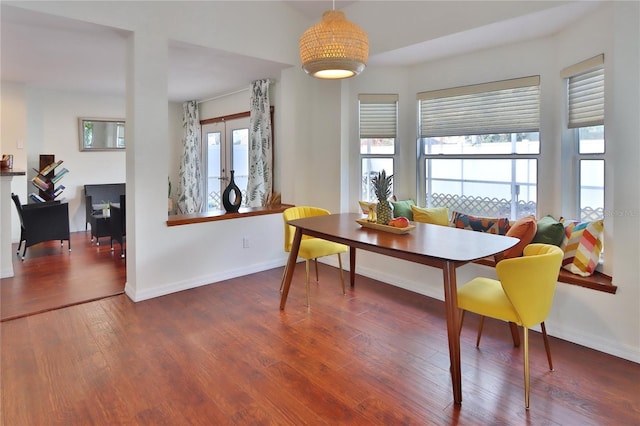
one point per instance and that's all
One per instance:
(403, 208)
(492, 225)
(433, 215)
(582, 246)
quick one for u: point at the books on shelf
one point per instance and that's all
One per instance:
(59, 176)
(46, 179)
(50, 167)
(35, 197)
(40, 183)
(58, 191)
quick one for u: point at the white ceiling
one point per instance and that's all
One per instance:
(50, 52)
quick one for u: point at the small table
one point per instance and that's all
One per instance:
(432, 245)
(103, 226)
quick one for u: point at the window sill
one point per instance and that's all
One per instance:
(598, 281)
(215, 215)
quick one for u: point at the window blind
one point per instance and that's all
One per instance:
(585, 92)
(378, 116)
(507, 106)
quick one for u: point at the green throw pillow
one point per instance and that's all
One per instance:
(549, 231)
(403, 208)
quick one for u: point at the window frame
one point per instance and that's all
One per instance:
(590, 106)
(384, 129)
(493, 89)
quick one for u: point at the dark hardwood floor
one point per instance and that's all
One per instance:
(224, 354)
(51, 277)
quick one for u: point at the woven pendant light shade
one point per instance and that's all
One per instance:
(334, 48)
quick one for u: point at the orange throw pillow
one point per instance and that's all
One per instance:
(525, 229)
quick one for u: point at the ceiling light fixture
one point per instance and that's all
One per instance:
(334, 48)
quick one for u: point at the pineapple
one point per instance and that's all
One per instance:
(382, 187)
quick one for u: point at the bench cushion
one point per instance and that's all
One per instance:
(492, 225)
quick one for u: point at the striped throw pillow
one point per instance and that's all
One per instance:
(582, 245)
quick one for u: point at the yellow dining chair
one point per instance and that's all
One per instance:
(523, 294)
(310, 247)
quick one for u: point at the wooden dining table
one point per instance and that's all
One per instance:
(437, 246)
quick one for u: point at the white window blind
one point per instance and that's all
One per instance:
(378, 116)
(585, 94)
(508, 106)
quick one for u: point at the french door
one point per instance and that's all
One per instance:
(225, 146)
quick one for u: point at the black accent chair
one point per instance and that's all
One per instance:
(42, 222)
(97, 197)
(118, 225)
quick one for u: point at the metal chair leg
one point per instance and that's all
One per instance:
(316, 262)
(307, 268)
(526, 367)
(546, 345)
(341, 274)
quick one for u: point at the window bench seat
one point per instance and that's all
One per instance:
(215, 215)
(598, 281)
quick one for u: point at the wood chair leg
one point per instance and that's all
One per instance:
(515, 335)
(526, 367)
(316, 262)
(480, 331)
(461, 321)
(546, 345)
(341, 274)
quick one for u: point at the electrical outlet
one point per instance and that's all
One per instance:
(245, 242)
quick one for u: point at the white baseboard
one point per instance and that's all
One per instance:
(138, 296)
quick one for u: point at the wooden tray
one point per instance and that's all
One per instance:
(386, 228)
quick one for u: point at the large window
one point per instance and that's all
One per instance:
(378, 122)
(225, 147)
(585, 108)
(479, 147)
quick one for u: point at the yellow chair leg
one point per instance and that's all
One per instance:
(341, 274)
(307, 268)
(546, 345)
(526, 367)
(480, 331)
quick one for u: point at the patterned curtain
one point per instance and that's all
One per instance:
(260, 183)
(190, 174)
